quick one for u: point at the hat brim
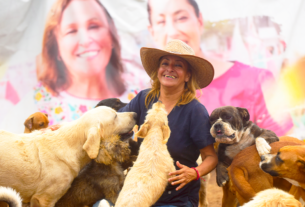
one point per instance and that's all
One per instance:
(202, 69)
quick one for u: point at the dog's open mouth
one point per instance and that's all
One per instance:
(223, 138)
(220, 134)
(126, 136)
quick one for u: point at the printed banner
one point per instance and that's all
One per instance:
(62, 57)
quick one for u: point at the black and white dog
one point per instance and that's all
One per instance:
(231, 128)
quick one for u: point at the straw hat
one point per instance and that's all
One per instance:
(202, 69)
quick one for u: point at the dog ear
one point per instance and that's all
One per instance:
(29, 122)
(103, 156)
(301, 163)
(92, 144)
(46, 115)
(244, 113)
(143, 130)
(166, 133)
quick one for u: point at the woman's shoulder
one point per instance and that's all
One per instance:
(196, 107)
(142, 95)
(248, 71)
(144, 92)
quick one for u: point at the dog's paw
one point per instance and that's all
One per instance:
(262, 146)
(221, 181)
(222, 178)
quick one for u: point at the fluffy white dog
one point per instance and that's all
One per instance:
(273, 198)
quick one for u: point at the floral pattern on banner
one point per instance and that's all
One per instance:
(57, 108)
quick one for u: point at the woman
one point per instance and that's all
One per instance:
(235, 83)
(80, 63)
(176, 73)
(81, 52)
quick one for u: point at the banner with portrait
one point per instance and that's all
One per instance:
(61, 57)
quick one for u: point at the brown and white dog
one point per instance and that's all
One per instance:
(233, 130)
(36, 121)
(246, 177)
(288, 163)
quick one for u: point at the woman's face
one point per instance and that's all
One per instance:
(175, 19)
(173, 71)
(83, 38)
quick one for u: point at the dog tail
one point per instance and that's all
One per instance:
(10, 196)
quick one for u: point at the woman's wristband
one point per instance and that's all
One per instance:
(198, 176)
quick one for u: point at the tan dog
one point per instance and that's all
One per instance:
(98, 181)
(36, 121)
(147, 179)
(288, 163)
(246, 178)
(273, 198)
(42, 166)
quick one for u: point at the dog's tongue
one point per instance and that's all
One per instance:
(223, 140)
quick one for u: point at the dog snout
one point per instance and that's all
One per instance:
(218, 126)
(263, 158)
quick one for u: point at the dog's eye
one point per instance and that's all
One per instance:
(227, 117)
(278, 160)
(41, 124)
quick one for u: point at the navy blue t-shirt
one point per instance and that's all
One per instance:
(190, 132)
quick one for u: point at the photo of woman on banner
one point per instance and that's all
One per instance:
(234, 83)
(80, 63)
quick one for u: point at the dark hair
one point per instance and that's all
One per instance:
(53, 73)
(193, 3)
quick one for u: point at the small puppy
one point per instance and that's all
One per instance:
(99, 181)
(114, 103)
(233, 130)
(273, 198)
(9, 197)
(147, 179)
(36, 121)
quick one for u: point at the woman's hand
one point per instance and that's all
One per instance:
(182, 176)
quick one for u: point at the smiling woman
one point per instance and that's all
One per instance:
(176, 73)
(235, 84)
(80, 63)
(81, 52)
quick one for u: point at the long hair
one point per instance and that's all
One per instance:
(52, 72)
(188, 94)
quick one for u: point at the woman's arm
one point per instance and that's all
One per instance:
(186, 174)
(209, 160)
